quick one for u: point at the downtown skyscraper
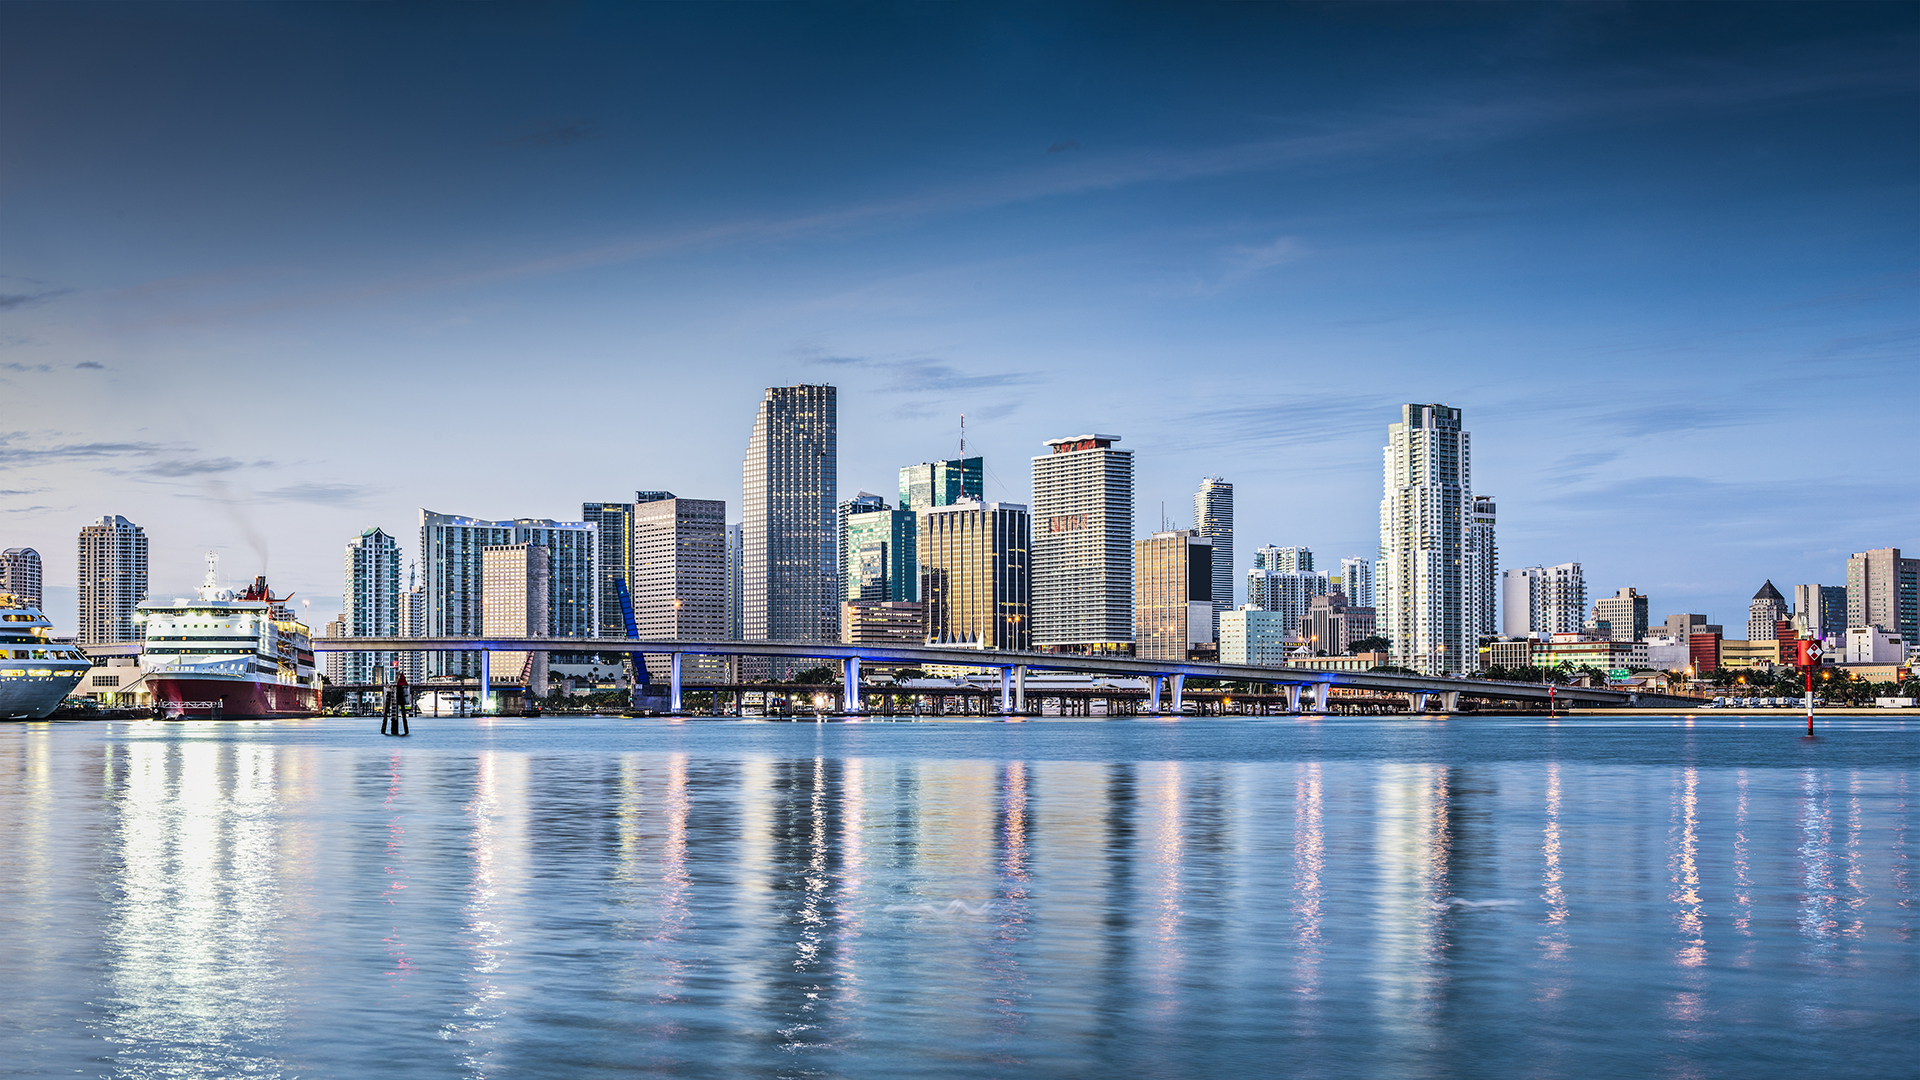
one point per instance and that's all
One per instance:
(1083, 546)
(1424, 595)
(370, 601)
(1213, 518)
(788, 529)
(113, 580)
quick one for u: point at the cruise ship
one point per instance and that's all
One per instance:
(228, 657)
(36, 673)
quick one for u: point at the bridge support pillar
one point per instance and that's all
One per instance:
(1320, 697)
(486, 683)
(673, 682)
(850, 684)
(1020, 689)
(1153, 698)
(1450, 701)
(1006, 691)
(1293, 696)
(1179, 688)
(1417, 702)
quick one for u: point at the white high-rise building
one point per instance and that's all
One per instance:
(1083, 546)
(413, 623)
(1542, 600)
(370, 604)
(113, 580)
(788, 536)
(1356, 580)
(1483, 566)
(1286, 560)
(20, 575)
(1424, 599)
(451, 550)
(1213, 518)
(1287, 593)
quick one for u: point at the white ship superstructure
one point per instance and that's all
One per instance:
(223, 656)
(36, 672)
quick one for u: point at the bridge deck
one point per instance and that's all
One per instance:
(1388, 682)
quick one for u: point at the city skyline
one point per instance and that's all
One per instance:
(1629, 254)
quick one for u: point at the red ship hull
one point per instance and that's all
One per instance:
(201, 697)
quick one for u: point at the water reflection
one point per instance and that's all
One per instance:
(784, 902)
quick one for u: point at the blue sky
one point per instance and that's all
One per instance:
(273, 274)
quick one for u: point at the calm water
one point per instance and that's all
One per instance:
(1279, 897)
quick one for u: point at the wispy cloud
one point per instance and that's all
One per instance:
(180, 467)
(318, 494)
(14, 455)
(921, 375)
(25, 367)
(89, 365)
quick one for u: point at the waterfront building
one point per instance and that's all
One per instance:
(336, 662)
(864, 503)
(1761, 652)
(1483, 566)
(1249, 635)
(20, 575)
(1423, 601)
(1540, 600)
(976, 579)
(1356, 580)
(1286, 592)
(1173, 595)
(1822, 610)
(680, 580)
(1510, 653)
(941, 483)
(1872, 645)
(1332, 625)
(788, 581)
(451, 549)
(1284, 560)
(1213, 516)
(1682, 627)
(413, 623)
(613, 522)
(883, 552)
(1580, 650)
(113, 580)
(1883, 590)
(1765, 613)
(733, 582)
(370, 604)
(514, 603)
(1703, 652)
(1083, 546)
(1622, 616)
(883, 622)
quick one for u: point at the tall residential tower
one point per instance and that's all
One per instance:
(370, 604)
(1424, 596)
(113, 580)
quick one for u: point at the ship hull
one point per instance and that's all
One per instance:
(36, 698)
(212, 697)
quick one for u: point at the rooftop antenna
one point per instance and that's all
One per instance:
(963, 434)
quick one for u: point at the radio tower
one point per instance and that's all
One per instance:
(963, 434)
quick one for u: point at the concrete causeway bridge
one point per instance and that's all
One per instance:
(1296, 683)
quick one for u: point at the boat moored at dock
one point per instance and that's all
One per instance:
(227, 657)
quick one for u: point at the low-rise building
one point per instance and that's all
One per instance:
(1510, 653)
(1249, 635)
(1365, 661)
(883, 622)
(1332, 625)
(1590, 650)
(1872, 645)
(1735, 653)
